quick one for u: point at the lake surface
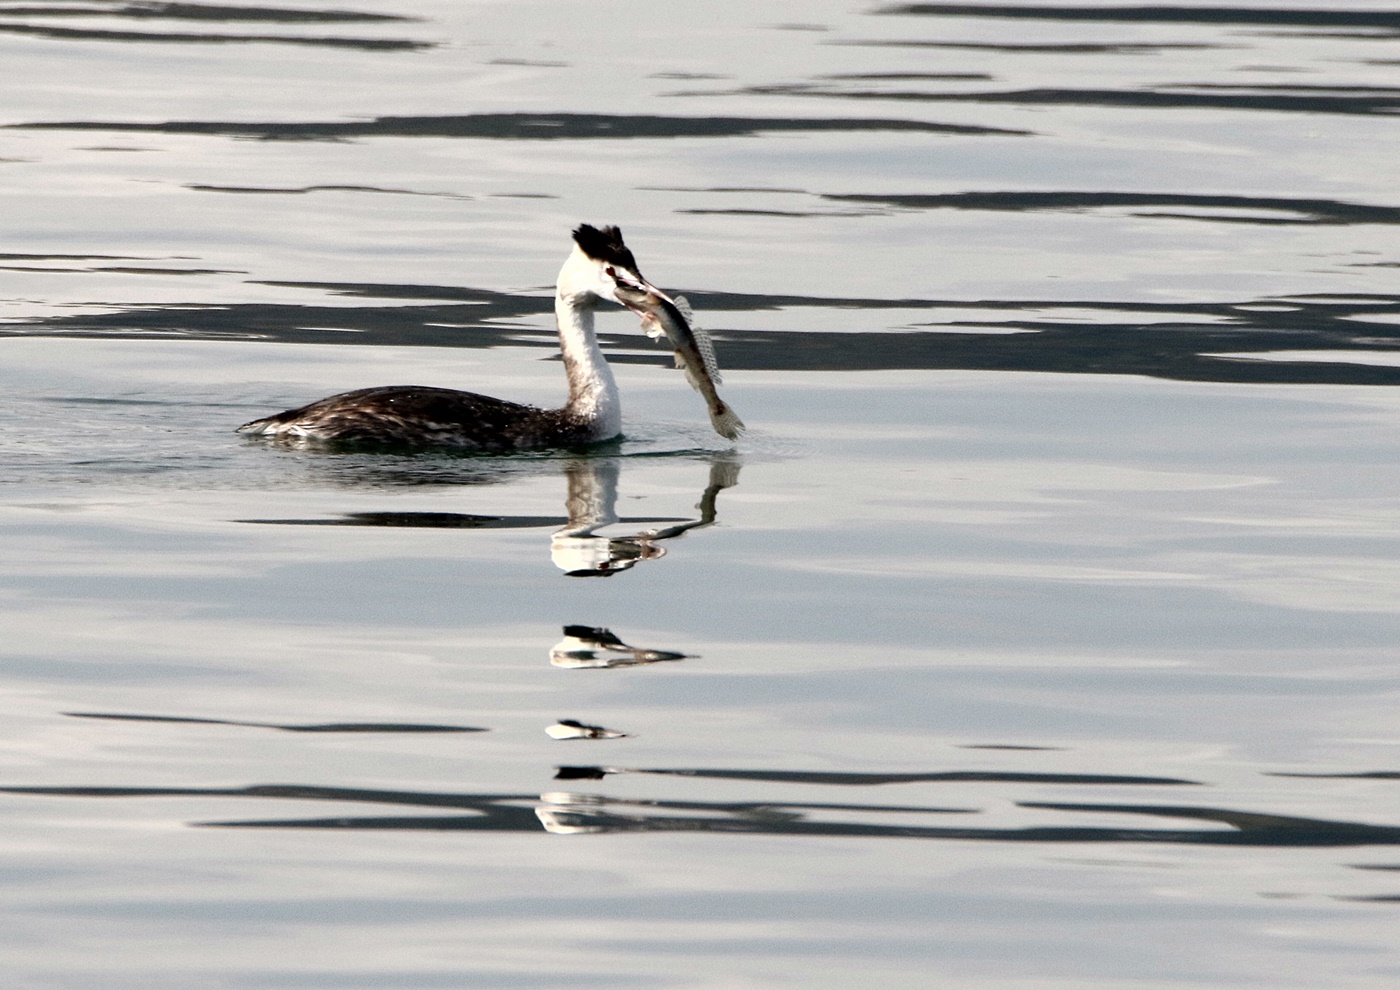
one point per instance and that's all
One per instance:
(1040, 633)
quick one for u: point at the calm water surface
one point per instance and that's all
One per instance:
(1039, 634)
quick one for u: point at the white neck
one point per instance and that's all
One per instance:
(593, 395)
(592, 501)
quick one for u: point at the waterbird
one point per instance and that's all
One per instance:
(600, 266)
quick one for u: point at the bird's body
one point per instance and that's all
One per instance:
(415, 415)
(418, 415)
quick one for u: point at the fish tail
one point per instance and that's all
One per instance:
(725, 420)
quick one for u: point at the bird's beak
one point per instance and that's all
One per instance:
(633, 291)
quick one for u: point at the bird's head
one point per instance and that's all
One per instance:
(601, 267)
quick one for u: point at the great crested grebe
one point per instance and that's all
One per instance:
(598, 267)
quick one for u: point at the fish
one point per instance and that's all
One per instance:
(672, 318)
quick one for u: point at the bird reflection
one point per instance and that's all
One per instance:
(579, 551)
(576, 547)
(568, 728)
(567, 813)
(586, 646)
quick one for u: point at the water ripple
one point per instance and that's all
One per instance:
(520, 126)
(1270, 16)
(1178, 340)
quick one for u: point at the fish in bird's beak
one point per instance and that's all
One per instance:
(634, 292)
(671, 318)
(661, 316)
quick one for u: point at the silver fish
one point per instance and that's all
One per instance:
(695, 354)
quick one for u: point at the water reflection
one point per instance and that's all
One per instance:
(417, 520)
(771, 813)
(1209, 30)
(571, 813)
(1365, 100)
(576, 547)
(1387, 20)
(1221, 209)
(205, 13)
(61, 263)
(31, 20)
(564, 813)
(1266, 210)
(876, 779)
(591, 648)
(300, 727)
(1047, 47)
(305, 190)
(568, 728)
(523, 127)
(1174, 340)
(579, 551)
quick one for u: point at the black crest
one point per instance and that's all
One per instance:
(605, 245)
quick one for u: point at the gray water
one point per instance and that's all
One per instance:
(1039, 634)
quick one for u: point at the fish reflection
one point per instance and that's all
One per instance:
(586, 646)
